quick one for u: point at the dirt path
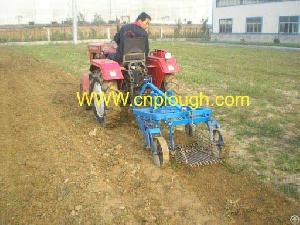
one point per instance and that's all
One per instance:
(54, 172)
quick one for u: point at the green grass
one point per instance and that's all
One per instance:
(268, 130)
(71, 59)
(290, 190)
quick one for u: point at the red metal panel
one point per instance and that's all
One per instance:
(169, 66)
(105, 47)
(159, 67)
(110, 69)
(101, 50)
(85, 82)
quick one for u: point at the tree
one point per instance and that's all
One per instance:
(178, 29)
(205, 29)
(54, 23)
(98, 20)
(81, 19)
(68, 21)
(205, 26)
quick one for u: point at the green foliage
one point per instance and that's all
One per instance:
(81, 19)
(92, 34)
(178, 29)
(290, 190)
(276, 41)
(98, 20)
(68, 21)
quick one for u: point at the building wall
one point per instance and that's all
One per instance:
(257, 38)
(269, 11)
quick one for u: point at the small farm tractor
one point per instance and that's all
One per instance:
(152, 76)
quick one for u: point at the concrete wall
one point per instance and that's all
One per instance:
(269, 11)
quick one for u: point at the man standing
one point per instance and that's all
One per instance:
(138, 29)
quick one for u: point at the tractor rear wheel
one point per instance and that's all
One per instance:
(160, 151)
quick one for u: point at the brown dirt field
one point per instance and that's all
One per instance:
(54, 172)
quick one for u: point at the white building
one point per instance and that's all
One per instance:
(256, 20)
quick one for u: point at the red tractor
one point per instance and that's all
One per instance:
(107, 75)
(152, 75)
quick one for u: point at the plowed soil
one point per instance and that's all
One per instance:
(58, 166)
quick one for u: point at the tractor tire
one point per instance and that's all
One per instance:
(98, 102)
(98, 90)
(86, 106)
(171, 83)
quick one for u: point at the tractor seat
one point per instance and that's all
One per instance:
(134, 50)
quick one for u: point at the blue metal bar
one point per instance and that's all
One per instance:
(167, 114)
(160, 93)
(171, 138)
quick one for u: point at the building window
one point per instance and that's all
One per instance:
(254, 24)
(221, 3)
(225, 25)
(289, 24)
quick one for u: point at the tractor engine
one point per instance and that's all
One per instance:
(135, 76)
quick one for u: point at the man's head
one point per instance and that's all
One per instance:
(144, 19)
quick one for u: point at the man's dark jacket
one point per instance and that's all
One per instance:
(129, 31)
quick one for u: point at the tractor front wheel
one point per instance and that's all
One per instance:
(99, 91)
(85, 104)
(98, 101)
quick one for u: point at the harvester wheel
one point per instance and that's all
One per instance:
(160, 151)
(217, 147)
(171, 83)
